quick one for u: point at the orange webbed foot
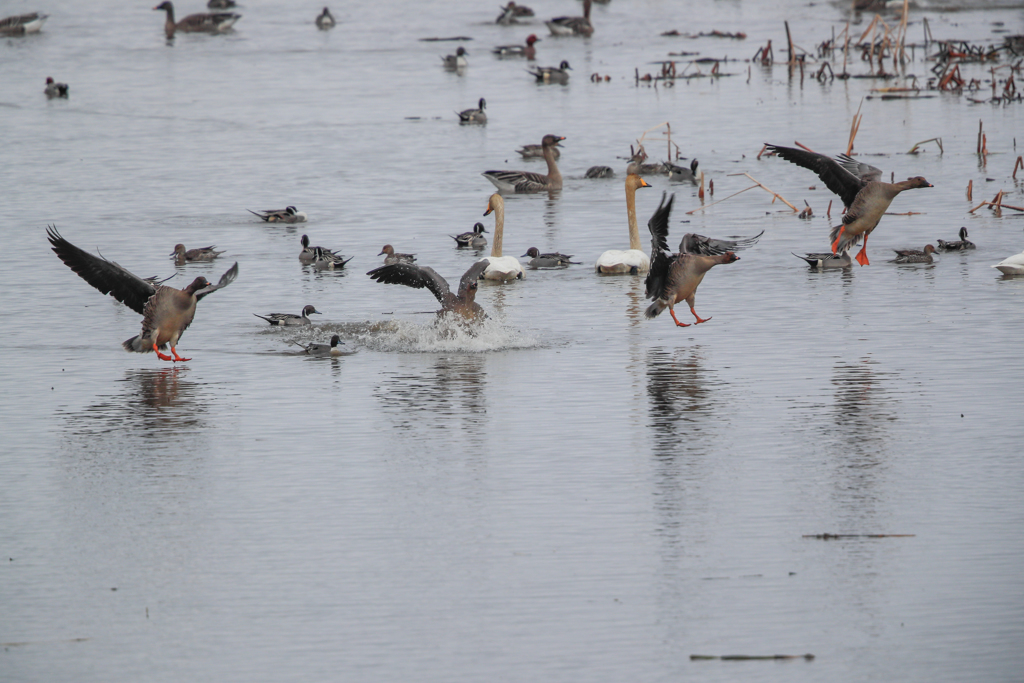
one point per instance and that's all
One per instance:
(700, 319)
(177, 358)
(678, 324)
(862, 258)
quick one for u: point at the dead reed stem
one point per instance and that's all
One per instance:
(854, 127)
(970, 189)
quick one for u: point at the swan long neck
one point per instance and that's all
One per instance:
(634, 230)
(499, 227)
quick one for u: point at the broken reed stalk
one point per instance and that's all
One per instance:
(854, 127)
(789, 42)
(701, 208)
(828, 213)
(803, 146)
(846, 45)
(758, 183)
(1018, 164)
(970, 189)
(902, 36)
(980, 126)
(744, 658)
(938, 141)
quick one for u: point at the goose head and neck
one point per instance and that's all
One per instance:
(497, 205)
(633, 182)
(548, 143)
(169, 25)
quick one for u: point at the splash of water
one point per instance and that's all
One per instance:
(444, 334)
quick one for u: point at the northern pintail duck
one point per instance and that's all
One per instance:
(166, 312)
(324, 259)
(501, 268)
(290, 319)
(572, 26)
(286, 215)
(473, 238)
(55, 89)
(859, 185)
(325, 21)
(681, 174)
(551, 259)
(675, 277)
(692, 243)
(827, 260)
(549, 74)
(1013, 265)
(308, 254)
(632, 261)
(181, 256)
(528, 50)
(511, 12)
(457, 60)
(20, 24)
(526, 181)
(391, 256)
(537, 152)
(463, 303)
(474, 115)
(203, 22)
(599, 172)
(915, 255)
(962, 244)
(323, 349)
(220, 4)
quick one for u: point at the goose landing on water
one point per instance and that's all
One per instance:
(463, 303)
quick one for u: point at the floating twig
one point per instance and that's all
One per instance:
(830, 537)
(938, 141)
(744, 658)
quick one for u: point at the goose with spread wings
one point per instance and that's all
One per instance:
(463, 303)
(166, 312)
(860, 186)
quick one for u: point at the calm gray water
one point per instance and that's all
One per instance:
(574, 492)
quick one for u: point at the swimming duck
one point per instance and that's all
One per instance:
(473, 239)
(537, 152)
(827, 260)
(474, 115)
(220, 4)
(528, 50)
(693, 243)
(511, 12)
(548, 259)
(290, 319)
(325, 259)
(204, 22)
(681, 174)
(391, 256)
(859, 185)
(20, 24)
(286, 215)
(323, 349)
(457, 60)
(408, 274)
(55, 89)
(632, 261)
(599, 172)
(675, 277)
(166, 312)
(915, 255)
(325, 21)
(572, 26)
(526, 181)
(1013, 265)
(500, 267)
(549, 74)
(963, 244)
(181, 256)
(308, 254)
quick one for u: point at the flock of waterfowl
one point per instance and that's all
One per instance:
(671, 276)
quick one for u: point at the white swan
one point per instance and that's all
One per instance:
(500, 267)
(1012, 266)
(634, 260)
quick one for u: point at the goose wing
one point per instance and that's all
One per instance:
(472, 275)
(520, 181)
(661, 255)
(104, 275)
(693, 243)
(412, 276)
(837, 178)
(226, 279)
(865, 172)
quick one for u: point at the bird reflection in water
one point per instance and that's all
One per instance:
(448, 393)
(684, 401)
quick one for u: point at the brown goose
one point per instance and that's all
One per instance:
(202, 22)
(181, 256)
(166, 312)
(464, 303)
(526, 181)
(675, 277)
(864, 195)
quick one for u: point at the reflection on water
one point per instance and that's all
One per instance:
(448, 394)
(684, 401)
(149, 404)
